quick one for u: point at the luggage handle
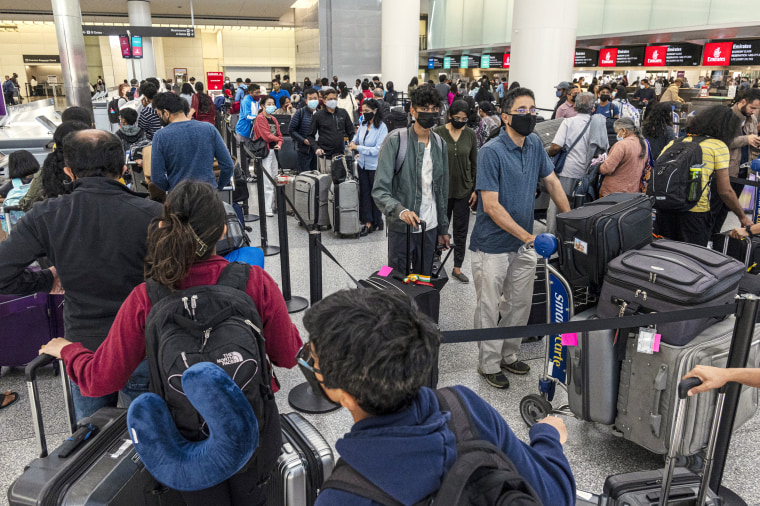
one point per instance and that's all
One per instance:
(30, 374)
(423, 225)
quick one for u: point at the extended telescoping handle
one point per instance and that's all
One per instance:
(30, 374)
(423, 225)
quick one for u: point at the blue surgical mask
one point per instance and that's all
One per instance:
(313, 104)
(618, 137)
(559, 93)
(271, 109)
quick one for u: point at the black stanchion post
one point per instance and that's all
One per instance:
(315, 266)
(738, 354)
(294, 304)
(245, 165)
(265, 247)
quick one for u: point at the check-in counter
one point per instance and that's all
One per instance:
(29, 126)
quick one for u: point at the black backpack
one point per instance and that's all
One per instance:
(212, 323)
(481, 475)
(670, 179)
(235, 236)
(113, 110)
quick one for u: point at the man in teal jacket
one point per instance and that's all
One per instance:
(412, 185)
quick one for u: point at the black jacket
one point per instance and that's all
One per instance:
(299, 127)
(95, 237)
(332, 128)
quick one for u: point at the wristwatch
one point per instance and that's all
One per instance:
(748, 228)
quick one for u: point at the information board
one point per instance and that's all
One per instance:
(451, 62)
(489, 61)
(143, 31)
(683, 55)
(214, 80)
(435, 63)
(468, 62)
(717, 54)
(506, 60)
(586, 58)
(630, 56)
(608, 57)
(745, 52)
(126, 48)
(137, 50)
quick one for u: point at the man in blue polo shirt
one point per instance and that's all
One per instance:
(502, 263)
(277, 92)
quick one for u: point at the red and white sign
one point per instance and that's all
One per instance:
(608, 57)
(215, 80)
(717, 54)
(505, 62)
(654, 56)
(704, 91)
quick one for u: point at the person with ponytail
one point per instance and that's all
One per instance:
(182, 254)
(626, 160)
(201, 106)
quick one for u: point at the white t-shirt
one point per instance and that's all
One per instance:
(568, 132)
(428, 212)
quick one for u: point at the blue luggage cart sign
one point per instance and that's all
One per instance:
(560, 312)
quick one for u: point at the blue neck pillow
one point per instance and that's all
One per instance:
(195, 465)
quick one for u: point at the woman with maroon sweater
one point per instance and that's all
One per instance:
(193, 217)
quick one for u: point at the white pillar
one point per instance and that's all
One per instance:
(67, 16)
(543, 46)
(139, 15)
(400, 41)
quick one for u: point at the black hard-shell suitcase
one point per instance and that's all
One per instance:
(305, 463)
(104, 469)
(745, 250)
(592, 235)
(668, 276)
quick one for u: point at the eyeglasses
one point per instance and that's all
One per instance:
(306, 360)
(522, 111)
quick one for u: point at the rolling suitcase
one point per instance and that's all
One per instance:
(343, 208)
(666, 276)
(287, 157)
(311, 191)
(38, 318)
(745, 250)
(102, 468)
(647, 395)
(593, 374)
(592, 235)
(306, 461)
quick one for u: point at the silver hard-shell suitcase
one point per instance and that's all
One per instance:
(311, 191)
(306, 461)
(344, 216)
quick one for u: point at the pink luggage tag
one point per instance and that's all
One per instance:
(570, 339)
(656, 346)
(385, 271)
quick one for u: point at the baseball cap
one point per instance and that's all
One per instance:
(564, 85)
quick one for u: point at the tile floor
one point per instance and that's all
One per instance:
(593, 451)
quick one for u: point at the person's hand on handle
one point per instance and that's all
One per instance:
(444, 241)
(277, 147)
(54, 347)
(410, 218)
(712, 377)
(558, 424)
(57, 288)
(352, 146)
(739, 233)
(320, 152)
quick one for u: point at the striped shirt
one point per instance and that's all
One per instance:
(715, 156)
(149, 121)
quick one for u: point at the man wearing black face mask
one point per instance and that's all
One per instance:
(503, 266)
(605, 107)
(417, 189)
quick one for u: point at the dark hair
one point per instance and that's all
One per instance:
(425, 96)
(247, 80)
(54, 179)
(487, 107)
(282, 100)
(658, 120)
(381, 350)
(310, 91)
(286, 77)
(605, 87)
(253, 87)
(454, 89)
(325, 81)
(171, 102)
(514, 86)
(155, 82)
(129, 115)
(148, 90)
(621, 93)
(328, 90)
(93, 154)
(718, 122)
(441, 78)
(204, 101)
(513, 94)
(483, 93)
(76, 113)
(373, 104)
(266, 98)
(365, 85)
(750, 95)
(389, 86)
(275, 80)
(414, 81)
(458, 106)
(193, 214)
(239, 80)
(307, 83)
(343, 89)
(21, 164)
(187, 89)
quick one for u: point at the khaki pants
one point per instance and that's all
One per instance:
(504, 286)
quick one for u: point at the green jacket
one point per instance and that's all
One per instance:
(395, 192)
(35, 194)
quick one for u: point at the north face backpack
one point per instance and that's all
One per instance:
(212, 323)
(113, 111)
(670, 179)
(481, 475)
(13, 198)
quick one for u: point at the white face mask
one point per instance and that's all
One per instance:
(641, 86)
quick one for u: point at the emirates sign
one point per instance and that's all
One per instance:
(717, 54)
(655, 56)
(608, 57)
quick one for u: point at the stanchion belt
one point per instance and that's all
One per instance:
(543, 329)
(745, 182)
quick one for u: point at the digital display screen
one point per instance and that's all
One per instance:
(586, 58)
(126, 50)
(450, 62)
(745, 52)
(137, 50)
(683, 55)
(506, 60)
(488, 61)
(435, 63)
(630, 56)
(468, 62)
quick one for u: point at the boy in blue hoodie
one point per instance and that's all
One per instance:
(373, 360)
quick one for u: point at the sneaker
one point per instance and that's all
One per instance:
(269, 215)
(497, 380)
(518, 367)
(460, 277)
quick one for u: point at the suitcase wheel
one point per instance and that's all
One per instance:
(533, 408)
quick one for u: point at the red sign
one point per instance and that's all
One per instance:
(215, 80)
(505, 62)
(126, 51)
(655, 56)
(608, 57)
(717, 54)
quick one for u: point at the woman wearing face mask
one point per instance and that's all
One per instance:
(463, 161)
(488, 122)
(267, 128)
(626, 161)
(367, 142)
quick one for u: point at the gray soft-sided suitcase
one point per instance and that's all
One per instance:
(306, 461)
(647, 393)
(344, 217)
(103, 470)
(593, 376)
(667, 276)
(311, 191)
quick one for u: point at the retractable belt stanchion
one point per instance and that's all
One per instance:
(315, 266)
(294, 304)
(245, 164)
(265, 247)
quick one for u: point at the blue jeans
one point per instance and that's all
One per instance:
(137, 384)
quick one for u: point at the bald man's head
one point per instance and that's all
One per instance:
(93, 153)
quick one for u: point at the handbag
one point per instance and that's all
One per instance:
(559, 158)
(586, 187)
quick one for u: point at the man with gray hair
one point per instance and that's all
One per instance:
(384, 106)
(583, 137)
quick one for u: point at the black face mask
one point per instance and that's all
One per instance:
(427, 119)
(523, 125)
(604, 98)
(368, 117)
(458, 124)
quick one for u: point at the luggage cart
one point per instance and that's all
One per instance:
(562, 301)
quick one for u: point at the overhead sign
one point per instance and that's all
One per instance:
(41, 59)
(683, 55)
(745, 52)
(435, 63)
(717, 54)
(488, 61)
(468, 62)
(126, 47)
(450, 62)
(137, 50)
(506, 60)
(630, 56)
(215, 80)
(586, 58)
(654, 56)
(608, 57)
(143, 31)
